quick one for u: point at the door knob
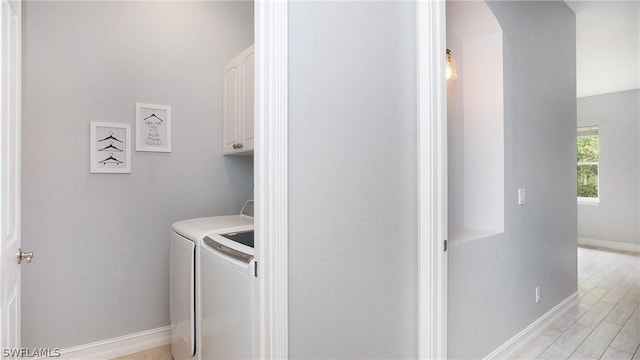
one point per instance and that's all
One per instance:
(24, 256)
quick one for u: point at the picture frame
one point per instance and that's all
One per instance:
(153, 127)
(110, 148)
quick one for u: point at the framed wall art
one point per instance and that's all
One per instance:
(153, 127)
(110, 150)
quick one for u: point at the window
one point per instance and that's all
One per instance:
(588, 151)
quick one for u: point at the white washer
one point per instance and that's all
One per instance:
(229, 280)
(185, 275)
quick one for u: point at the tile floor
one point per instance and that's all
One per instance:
(606, 323)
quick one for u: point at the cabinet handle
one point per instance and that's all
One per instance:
(239, 146)
(28, 256)
(235, 146)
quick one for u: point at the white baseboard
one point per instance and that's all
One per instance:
(514, 344)
(613, 245)
(119, 346)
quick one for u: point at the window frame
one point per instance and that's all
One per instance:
(589, 131)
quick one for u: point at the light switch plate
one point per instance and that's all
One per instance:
(522, 197)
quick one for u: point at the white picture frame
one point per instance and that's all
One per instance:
(153, 127)
(110, 148)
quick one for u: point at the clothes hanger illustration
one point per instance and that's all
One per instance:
(110, 146)
(110, 137)
(111, 160)
(153, 115)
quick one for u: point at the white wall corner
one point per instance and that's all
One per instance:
(119, 346)
(611, 245)
(510, 348)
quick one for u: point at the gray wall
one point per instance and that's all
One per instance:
(492, 280)
(353, 192)
(615, 218)
(101, 266)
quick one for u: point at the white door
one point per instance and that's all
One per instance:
(10, 174)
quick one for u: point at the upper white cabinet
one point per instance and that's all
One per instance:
(237, 104)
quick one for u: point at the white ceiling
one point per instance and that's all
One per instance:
(607, 45)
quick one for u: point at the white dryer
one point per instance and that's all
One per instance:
(185, 274)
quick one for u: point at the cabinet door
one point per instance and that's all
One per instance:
(231, 106)
(247, 68)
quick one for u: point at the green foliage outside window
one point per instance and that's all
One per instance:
(588, 157)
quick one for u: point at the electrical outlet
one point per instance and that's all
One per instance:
(537, 294)
(522, 197)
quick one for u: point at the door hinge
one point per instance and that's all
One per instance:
(255, 268)
(445, 245)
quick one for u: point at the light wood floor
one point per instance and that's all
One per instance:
(157, 353)
(606, 323)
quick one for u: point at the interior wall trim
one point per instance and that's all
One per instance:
(515, 343)
(271, 176)
(611, 245)
(432, 179)
(118, 346)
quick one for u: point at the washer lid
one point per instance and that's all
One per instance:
(216, 244)
(196, 229)
(242, 237)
